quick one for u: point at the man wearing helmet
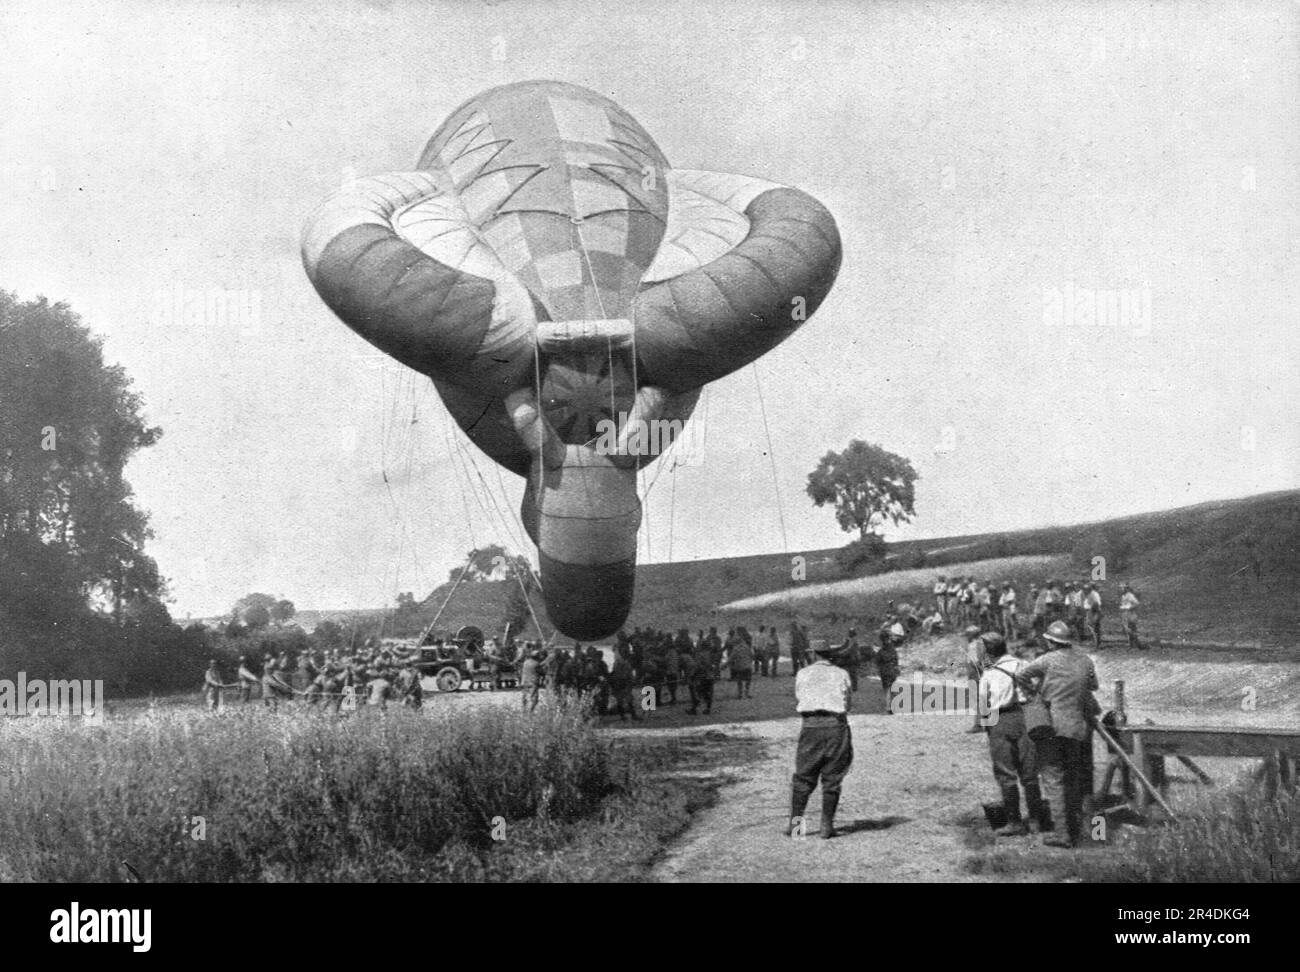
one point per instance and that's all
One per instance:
(1065, 678)
(892, 634)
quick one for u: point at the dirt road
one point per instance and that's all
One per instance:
(911, 804)
(916, 784)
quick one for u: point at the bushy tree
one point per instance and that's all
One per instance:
(69, 423)
(864, 555)
(282, 611)
(329, 634)
(867, 486)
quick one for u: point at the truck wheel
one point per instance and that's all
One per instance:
(448, 680)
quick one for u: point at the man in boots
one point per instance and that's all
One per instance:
(823, 693)
(1015, 759)
(1065, 678)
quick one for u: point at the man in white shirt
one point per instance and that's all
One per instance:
(941, 595)
(972, 608)
(1041, 600)
(1074, 609)
(773, 651)
(823, 694)
(1015, 759)
(1008, 605)
(1092, 613)
(975, 661)
(983, 606)
(1128, 612)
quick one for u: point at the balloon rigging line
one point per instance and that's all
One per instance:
(762, 411)
(501, 521)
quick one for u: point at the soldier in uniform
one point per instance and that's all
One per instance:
(596, 674)
(941, 595)
(773, 649)
(891, 636)
(622, 685)
(212, 686)
(1039, 598)
(247, 679)
(740, 662)
(1014, 756)
(409, 686)
(530, 679)
(272, 687)
(1007, 605)
(1065, 678)
(984, 606)
(1128, 612)
(1092, 614)
(686, 659)
(798, 647)
(707, 655)
(823, 695)
(671, 665)
(551, 666)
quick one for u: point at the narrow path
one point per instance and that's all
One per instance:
(916, 782)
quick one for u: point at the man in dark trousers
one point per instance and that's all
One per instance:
(212, 686)
(1065, 679)
(247, 679)
(823, 693)
(892, 634)
(798, 647)
(708, 653)
(622, 684)
(1014, 756)
(530, 679)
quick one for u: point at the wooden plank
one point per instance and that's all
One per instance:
(1201, 775)
(1215, 741)
(1139, 758)
(1155, 727)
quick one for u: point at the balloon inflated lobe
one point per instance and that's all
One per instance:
(554, 276)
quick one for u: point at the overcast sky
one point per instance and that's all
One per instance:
(983, 163)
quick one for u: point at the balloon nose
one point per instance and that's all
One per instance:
(587, 602)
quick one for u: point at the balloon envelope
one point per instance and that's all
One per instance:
(555, 277)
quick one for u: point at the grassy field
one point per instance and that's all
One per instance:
(252, 796)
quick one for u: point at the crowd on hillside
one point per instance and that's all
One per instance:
(961, 602)
(650, 668)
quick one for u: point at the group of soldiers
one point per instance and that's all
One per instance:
(1053, 767)
(1052, 672)
(961, 601)
(335, 678)
(660, 665)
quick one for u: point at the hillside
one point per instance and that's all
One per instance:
(1225, 572)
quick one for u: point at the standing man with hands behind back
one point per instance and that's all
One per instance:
(823, 693)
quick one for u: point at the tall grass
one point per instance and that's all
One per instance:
(294, 796)
(1233, 836)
